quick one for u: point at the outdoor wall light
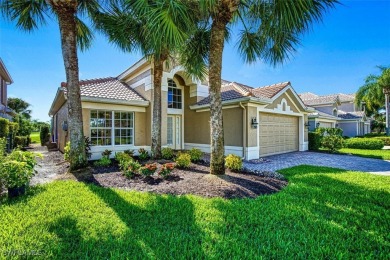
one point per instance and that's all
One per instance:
(318, 124)
(337, 125)
(65, 126)
(307, 124)
(254, 122)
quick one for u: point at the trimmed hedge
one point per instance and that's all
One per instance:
(4, 127)
(314, 141)
(364, 143)
(44, 135)
(385, 139)
(20, 141)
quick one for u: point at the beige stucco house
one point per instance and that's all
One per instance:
(117, 114)
(337, 110)
(5, 81)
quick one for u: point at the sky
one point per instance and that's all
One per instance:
(335, 56)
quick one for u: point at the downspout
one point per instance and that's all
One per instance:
(243, 130)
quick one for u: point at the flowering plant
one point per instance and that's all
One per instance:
(166, 169)
(148, 169)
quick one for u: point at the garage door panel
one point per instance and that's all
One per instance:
(278, 133)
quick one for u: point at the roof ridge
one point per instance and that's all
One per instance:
(85, 81)
(240, 88)
(273, 85)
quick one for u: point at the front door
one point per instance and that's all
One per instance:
(174, 132)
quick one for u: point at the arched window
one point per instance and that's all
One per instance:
(174, 95)
(335, 112)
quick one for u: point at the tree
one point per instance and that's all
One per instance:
(158, 29)
(373, 94)
(29, 15)
(19, 106)
(270, 31)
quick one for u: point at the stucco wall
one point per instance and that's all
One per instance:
(252, 132)
(62, 115)
(347, 107)
(305, 119)
(327, 109)
(278, 101)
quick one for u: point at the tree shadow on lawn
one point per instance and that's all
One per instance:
(156, 227)
(316, 216)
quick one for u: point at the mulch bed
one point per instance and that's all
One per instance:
(194, 180)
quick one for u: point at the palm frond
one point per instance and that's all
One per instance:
(84, 35)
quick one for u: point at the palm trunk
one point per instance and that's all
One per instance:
(217, 163)
(156, 131)
(66, 16)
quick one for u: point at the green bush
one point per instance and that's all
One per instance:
(106, 153)
(374, 134)
(20, 141)
(4, 127)
(148, 169)
(102, 162)
(385, 139)
(364, 143)
(195, 154)
(3, 147)
(332, 142)
(167, 153)
(67, 151)
(129, 167)
(44, 134)
(121, 157)
(183, 160)
(233, 162)
(314, 141)
(129, 152)
(143, 154)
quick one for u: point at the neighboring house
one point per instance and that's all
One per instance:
(337, 110)
(117, 114)
(5, 80)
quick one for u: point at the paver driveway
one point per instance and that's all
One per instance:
(348, 162)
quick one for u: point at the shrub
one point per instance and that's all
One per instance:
(129, 167)
(15, 174)
(106, 153)
(4, 127)
(314, 141)
(102, 162)
(195, 154)
(183, 160)
(233, 162)
(385, 139)
(44, 134)
(332, 142)
(364, 143)
(27, 157)
(167, 153)
(166, 169)
(20, 141)
(3, 147)
(148, 169)
(129, 152)
(122, 156)
(67, 151)
(374, 134)
(143, 154)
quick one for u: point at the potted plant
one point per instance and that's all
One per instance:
(16, 170)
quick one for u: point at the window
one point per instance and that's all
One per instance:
(174, 95)
(124, 122)
(103, 130)
(335, 112)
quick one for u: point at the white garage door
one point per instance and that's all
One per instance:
(278, 134)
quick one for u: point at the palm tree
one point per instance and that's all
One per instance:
(271, 30)
(374, 93)
(156, 28)
(29, 15)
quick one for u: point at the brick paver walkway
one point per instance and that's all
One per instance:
(348, 162)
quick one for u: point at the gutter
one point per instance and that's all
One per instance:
(115, 101)
(243, 130)
(235, 101)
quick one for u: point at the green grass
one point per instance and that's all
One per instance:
(378, 154)
(35, 138)
(322, 213)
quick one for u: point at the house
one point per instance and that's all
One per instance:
(5, 80)
(117, 114)
(337, 110)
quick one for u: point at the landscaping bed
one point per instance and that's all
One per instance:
(194, 180)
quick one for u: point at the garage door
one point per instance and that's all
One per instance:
(278, 134)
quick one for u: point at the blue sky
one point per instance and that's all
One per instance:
(335, 56)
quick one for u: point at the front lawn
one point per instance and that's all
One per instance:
(322, 213)
(377, 154)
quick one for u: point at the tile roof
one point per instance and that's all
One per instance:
(311, 99)
(107, 88)
(350, 115)
(234, 90)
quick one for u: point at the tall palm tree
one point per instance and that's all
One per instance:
(156, 28)
(384, 83)
(271, 30)
(29, 15)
